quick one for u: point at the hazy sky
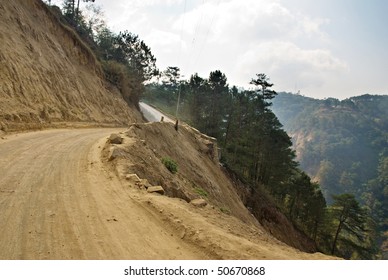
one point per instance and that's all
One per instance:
(324, 48)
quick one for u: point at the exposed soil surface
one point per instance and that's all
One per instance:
(49, 76)
(73, 194)
(60, 200)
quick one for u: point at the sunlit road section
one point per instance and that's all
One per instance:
(151, 114)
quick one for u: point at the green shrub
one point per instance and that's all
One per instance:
(170, 164)
(201, 192)
(225, 210)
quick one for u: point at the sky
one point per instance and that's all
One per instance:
(321, 48)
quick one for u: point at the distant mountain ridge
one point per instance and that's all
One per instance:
(338, 143)
(344, 146)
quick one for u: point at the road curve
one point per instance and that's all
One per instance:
(153, 115)
(58, 201)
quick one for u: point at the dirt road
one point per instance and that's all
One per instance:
(152, 114)
(58, 202)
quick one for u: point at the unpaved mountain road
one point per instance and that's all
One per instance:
(58, 201)
(152, 114)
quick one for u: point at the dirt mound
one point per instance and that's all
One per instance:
(216, 219)
(199, 174)
(48, 75)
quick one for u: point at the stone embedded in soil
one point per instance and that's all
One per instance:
(199, 202)
(133, 178)
(115, 152)
(115, 139)
(144, 183)
(156, 189)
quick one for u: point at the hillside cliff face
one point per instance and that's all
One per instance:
(200, 176)
(48, 75)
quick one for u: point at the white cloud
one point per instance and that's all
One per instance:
(238, 37)
(243, 38)
(289, 65)
(276, 54)
(162, 42)
(147, 3)
(258, 19)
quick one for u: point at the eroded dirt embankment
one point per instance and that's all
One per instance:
(60, 200)
(48, 75)
(222, 225)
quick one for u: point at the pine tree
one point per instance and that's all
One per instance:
(351, 220)
(197, 88)
(262, 81)
(218, 91)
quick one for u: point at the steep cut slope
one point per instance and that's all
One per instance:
(199, 176)
(48, 75)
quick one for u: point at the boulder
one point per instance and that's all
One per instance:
(156, 189)
(144, 183)
(133, 178)
(114, 153)
(199, 202)
(115, 139)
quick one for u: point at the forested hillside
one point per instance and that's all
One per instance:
(256, 148)
(342, 144)
(349, 147)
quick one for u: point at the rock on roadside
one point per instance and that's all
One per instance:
(115, 152)
(156, 189)
(199, 202)
(115, 139)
